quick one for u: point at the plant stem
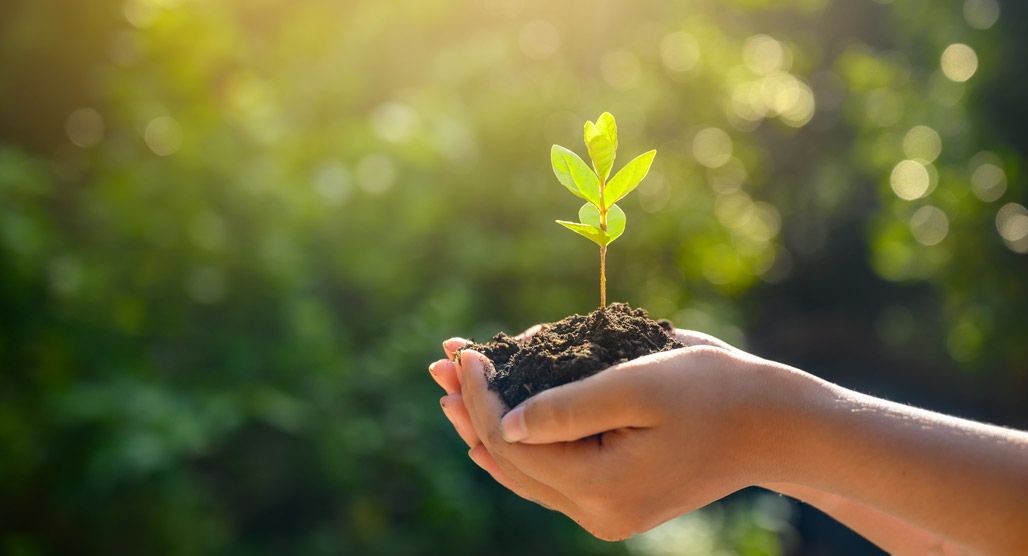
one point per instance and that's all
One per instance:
(603, 248)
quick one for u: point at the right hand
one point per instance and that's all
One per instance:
(625, 449)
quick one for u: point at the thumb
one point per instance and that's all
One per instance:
(611, 399)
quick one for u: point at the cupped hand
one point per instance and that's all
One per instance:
(625, 449)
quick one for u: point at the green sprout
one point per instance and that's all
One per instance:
(602, 221)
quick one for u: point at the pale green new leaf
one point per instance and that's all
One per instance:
(575, 174)
(628, 178)
(616, 221)
(607, 126)
(593, 234)
(601, 150)
(590, 215)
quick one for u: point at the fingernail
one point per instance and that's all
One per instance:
(474, 457)
(445, 401)
(453, 344)
(431, 368)
(446, 412)
(512, 426)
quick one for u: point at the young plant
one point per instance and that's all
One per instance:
(602, 221)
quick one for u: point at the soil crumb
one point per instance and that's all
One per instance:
(572, 349)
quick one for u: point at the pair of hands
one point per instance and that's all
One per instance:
(623, 450)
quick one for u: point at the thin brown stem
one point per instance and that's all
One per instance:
(603, 248)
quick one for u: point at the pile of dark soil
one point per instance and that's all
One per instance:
(571, 349)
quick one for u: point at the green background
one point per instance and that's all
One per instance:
(233, 234)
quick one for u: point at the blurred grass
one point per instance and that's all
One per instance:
(233, 233)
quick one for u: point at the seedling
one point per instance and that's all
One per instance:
(602, 221)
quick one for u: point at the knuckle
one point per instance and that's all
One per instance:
(711, 355)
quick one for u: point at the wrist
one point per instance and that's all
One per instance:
(781, 404)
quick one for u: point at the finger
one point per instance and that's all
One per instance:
(525, 487)
(528, 333)
(454, 344)
(482, 458)
(457, 413)
(554, 465)
(445, 375)
(612, 399)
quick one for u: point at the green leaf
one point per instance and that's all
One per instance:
(593, 234)
(607, 126)
(575, 174)
(601, 150)
(628, 178)
(590, 215)
(616, 220)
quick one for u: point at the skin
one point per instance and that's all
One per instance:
(645, 441)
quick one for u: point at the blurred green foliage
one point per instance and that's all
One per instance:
(233, 233)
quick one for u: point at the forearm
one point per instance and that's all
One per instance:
(965, 481)
(886, 531)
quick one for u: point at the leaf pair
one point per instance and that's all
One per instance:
(590, 224)
(601, 140)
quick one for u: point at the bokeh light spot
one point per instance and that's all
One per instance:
(376, 173)
(922, 143)
(981, 14)
(763, 54)
(712, 147)
(206, 285)
(734, 210)
(394, 121)
(910, 180)
(1012, 225)
(332, 182)
(85, 127)
(140, 13)
(680, 51)
(988, 180)
(929, 225)
(959, 62)
(539, 39)
(163, 136)
(727, 177)
(620, 69)
(654, 192)
(65, 275)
